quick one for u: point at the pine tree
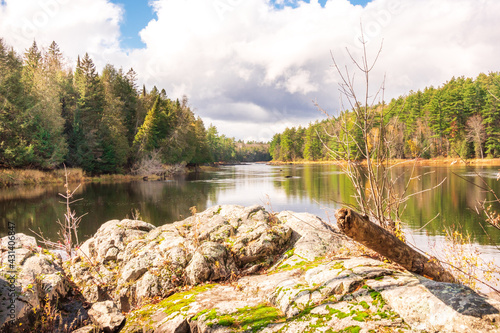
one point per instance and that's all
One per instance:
(287, 145)
(32, 65)
(312, 144)
(42, 111)
(147, 136)
(86, 141)
(438, 120)
(491, 112)
(214, 144)
(202, 153)
(180, 146)
(13, 147)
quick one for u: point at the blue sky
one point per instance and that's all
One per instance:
(138, 14)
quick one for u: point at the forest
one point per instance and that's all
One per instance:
(51, 114)
(459, 119)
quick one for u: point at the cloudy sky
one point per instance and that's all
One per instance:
(254, 67)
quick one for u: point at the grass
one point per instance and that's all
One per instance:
(11, 177)
(14, 177)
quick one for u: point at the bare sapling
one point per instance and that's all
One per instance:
(366, 142)
(68, 227)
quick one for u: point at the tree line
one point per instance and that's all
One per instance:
(101, 122)
(459, 118)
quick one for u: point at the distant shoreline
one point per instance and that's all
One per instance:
(446, 161)
(21, 177)
(17, 177)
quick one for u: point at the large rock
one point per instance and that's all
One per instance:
(20, 241)
(112, 237)
(211, 262)
(438, 307)
(312, 237)
(350, 295)
(309, 279)
(29, 276)
(107, 316)
(131, 261)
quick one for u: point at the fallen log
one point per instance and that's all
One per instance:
(371, 235)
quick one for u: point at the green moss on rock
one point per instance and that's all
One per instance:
(177, 303)
(247, 319)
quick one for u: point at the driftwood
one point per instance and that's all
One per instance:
(362, 230)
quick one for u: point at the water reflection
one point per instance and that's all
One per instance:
(317, 189)
(157, 202)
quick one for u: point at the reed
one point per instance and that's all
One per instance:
(11, 177)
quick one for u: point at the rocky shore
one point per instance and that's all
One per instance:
(227, 269)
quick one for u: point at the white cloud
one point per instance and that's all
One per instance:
(300, 82)
(78, 26)
(252, 68)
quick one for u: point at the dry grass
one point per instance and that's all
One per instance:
(468, 264)
(112, 178)
(11, 177)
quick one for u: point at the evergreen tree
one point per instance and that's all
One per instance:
(312, 144)
(86, 142)
(491, 112)
(148, 136)
(32, 66)
(275, 147)
(214, 144)
(115, 144)
(180, 145)
(286, 153)
(42, 111)
(14, 149)
(202, 154)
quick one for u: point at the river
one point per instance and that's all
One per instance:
(315, 188)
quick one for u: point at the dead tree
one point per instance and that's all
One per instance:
(380, 192)
(362, 230)
(365, 145)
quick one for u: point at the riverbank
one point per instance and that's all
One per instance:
(15, 177)
(445, 161)
(231, 269)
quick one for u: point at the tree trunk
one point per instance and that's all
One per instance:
(363, 231)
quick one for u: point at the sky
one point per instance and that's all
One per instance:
(255, 67)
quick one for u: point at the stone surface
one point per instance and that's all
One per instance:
(211, 262)
(438, 307)
(305, 292)
(107, 316)
(136, 261)
(20, 241)
(312, 237)
(87, 329)
(37, 275)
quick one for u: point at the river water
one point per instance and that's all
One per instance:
(317, 189)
